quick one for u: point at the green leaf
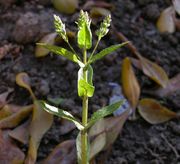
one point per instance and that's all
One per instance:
(105, 52)
(61, 113)
(84, 34)
(85, 88)
(60, 51)
(103, 112)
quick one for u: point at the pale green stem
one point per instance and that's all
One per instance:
(84, 136)
(97, 43)
(72, 49)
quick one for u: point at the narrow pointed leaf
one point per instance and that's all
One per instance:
(154, 71)
(63, 153)
(103, 112)
(153, 112)
(106, 51)
(165, 22)
(40, 124)
(16, 118)
(61, 113)
(130, 84)
(47, 39)
(60, 51)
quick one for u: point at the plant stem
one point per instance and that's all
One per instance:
(84, 141)
(97, 43)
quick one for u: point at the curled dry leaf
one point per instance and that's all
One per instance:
(165, 22)
(14, 119)
(172, 87)
(130, 84)
(176, 4)
(9, 152)
(64, 153)
(154, 71)
(153, 112)
(65, 6)
(49, 39)
(97, 12)
(104, 132)
(8, 110)
(40, 124)
(21, 133)
(22, 79)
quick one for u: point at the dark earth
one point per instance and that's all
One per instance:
(23, 23)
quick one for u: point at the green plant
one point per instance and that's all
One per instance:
(85, 76)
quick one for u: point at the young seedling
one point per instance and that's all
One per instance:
(85, 77)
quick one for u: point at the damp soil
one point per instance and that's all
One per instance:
(23, 23)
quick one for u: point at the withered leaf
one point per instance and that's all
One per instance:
(49, 39)
(154, 71)
(65, 6)
(22, 79)
(104, 132)
(8, 110)
(14, 119)
(89, 4)
(165, 22)
(9, 152)
(21, 133)
(64, 153)
(40, 124)
(172, 87)
(176, 4)
(130, 84)
(97, 12)
(153, 112)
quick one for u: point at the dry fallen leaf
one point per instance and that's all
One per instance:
(64, 153)
(40, 124)
(65, 6)
(97, 12)
(22, 79)
(89, 4)
(130, 84)
(9, 152)
(154, 71)
(176, 4)
(153, 112)
(21, 133)
(48, 39)
(104, 132)
(16, 118)
(165, 22)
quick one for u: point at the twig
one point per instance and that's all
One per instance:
(171, 146)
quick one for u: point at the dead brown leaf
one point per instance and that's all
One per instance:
(153, 112)
(40, 124)
(64, 153)
(16, 118)
(3, 97)
(97, 12)
(130, 84)
(165, 22)
(9, 152)
(21, 133)
(89, 4)
(66, 126)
